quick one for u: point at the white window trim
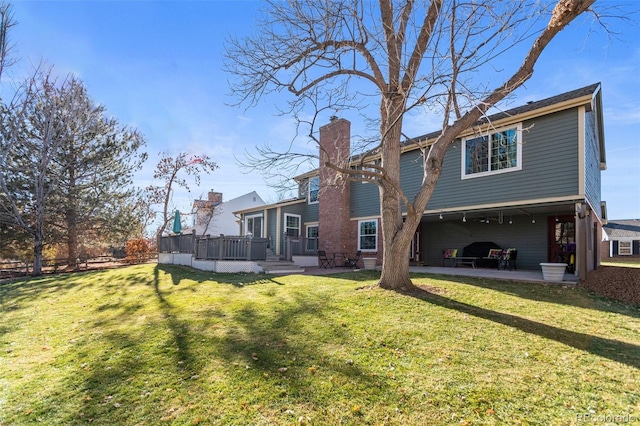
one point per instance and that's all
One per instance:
(629, 248)
(246, 223)
(286, 215)
(309, 190)
(463, 153)
(306, 231)
(360, 235)
(310, 225)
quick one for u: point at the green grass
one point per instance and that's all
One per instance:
(150, 344)
(628, 262)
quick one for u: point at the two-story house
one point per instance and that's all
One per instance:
(526, 178)
(214, 216)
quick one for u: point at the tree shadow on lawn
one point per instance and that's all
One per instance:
(542, 292)
(180, 272)
(271, 349)
(281, 351)
(625, 353)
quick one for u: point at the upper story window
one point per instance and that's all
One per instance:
(367, 167)
(368, 235)
(314, 188)
(496, 152)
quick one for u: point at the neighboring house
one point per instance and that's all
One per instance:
(622, 238)
(526, 178)
(215, 217)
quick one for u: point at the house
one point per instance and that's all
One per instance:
(622, 238)
(526, 178)
(215, 217)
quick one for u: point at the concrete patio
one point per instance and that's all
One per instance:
(514, 275)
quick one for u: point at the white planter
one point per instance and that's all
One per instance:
(369, 262)
(553, 271)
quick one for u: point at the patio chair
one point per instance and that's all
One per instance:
(323, 260)
(449, 254)
(352, 262)
(508, 259)
(511, 261)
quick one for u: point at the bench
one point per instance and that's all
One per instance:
(464, 261)
(452, 255)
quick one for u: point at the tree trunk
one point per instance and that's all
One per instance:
(396, 237)
(395, 268)
(72, 242)
(38, 245)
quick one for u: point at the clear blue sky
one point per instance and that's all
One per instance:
(156, 65)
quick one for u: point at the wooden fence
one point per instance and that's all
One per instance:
(10, 269)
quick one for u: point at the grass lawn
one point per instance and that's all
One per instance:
(154, 344)
(630, 262)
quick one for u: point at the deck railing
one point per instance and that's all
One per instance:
(221, 247)
(300, 246)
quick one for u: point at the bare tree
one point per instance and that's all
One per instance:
(29, 130)
(407, 56)
(169, 171)
(6, 23)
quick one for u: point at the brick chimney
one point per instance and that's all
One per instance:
(215, 197)
(334, 227)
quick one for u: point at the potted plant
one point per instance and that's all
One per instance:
(553, 271)
(369, 262)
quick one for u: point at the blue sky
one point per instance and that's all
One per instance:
(157, 66)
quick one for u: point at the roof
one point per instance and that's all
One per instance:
(584, 92)
(281, 203)
(588, 95)
(623, 229)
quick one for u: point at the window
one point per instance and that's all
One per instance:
(312, 237)
(366, 167)
(368, 235)
(253, 225)
(624, 248)
(497, 152)
(292, 225)
(314, 188)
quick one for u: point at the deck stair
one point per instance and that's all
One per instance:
(277, 266)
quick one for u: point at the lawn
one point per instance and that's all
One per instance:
(629, 262)
(151, 344)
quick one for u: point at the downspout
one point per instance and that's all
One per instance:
(581, 246)
(278, 225)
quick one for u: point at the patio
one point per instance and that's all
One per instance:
(515, 275)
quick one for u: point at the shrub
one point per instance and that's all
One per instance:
(137, 250)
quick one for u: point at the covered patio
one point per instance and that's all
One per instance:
(515, 275)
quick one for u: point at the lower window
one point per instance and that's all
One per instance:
(624, 248)
(368, 235)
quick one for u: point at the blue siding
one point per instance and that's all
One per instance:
(592, 162)
(271, 225)
(549, 169)
(530, 239)
(365, 199)
(310, 213)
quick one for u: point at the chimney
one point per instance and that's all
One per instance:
(334, 225)
(215, 197)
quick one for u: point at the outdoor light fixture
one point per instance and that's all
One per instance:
(510, 221)
(464, 217)
(557, 220)
(533, 220)
(440, 216)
